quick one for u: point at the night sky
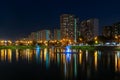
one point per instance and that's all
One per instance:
(18, 18)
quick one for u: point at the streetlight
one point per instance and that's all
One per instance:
(80, 39)
(96, 40)
(116, 38)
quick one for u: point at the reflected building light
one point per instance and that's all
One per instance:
(20, 54)
(86, 55)
(34, 51)
(37, 47)
(5, 54)
(2, 55)
(68, 57)
(61, 58)
(118, 54)
(9, 55)
(37, 55)
(115, 62)
(23, 54)
(67, 49)
(80, 51)
(30, 55)
(75, 65)
(95, 59)
(50, 50)
(51, 56)
(65, 69)
(62, 50)
(80, 58)
(17, 55)
(64, 58)
(119, 64)
(41, 54)
(57, 50)
(99, 55)
(55, 58)
(47, 60)
(58, 59)
(27, 54)
(99, 52)
(45, 52)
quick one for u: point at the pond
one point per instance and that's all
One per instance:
(46, 64)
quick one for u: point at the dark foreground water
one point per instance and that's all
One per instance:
(49, 65)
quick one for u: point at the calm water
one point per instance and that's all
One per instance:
(48, 65)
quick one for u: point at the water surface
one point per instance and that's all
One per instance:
(49, 65)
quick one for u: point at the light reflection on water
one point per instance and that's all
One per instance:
(117, 61)
(95, 59)
(81, 65)
(6, 55)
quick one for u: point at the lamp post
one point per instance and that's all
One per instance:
(80, 39)
(116, 38)
(96, 40)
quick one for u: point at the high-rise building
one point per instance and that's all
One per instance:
(89, 29)
(116, 29)
(39, 35)
(107, 31)
(68, 26)
(33, 36)
(45, 35)
(57, 35)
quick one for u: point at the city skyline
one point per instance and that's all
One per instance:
(20, 18)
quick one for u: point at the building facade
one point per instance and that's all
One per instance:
(68, 26)
(42, 35)
(116, 29)
(89, 29)
(57, 34)
(45, 35)
(107, 31)
(33, 36)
